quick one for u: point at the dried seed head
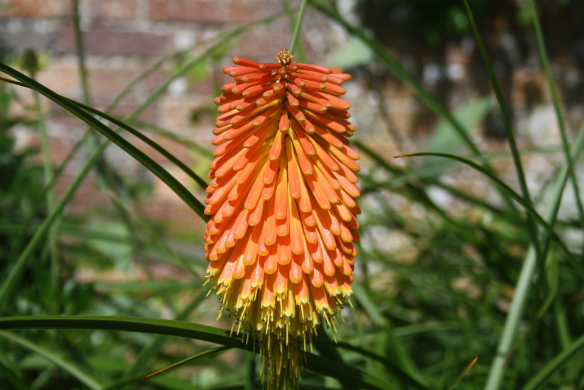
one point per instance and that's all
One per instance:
(284, 57)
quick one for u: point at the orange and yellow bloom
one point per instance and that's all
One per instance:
(282, 204)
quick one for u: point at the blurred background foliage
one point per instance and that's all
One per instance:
(442, 251)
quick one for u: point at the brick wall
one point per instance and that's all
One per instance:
(124, 37)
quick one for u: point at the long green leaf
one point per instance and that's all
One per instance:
(318, 364)
(444, 139)
(158, 342)
(146, 140)
(514, 195)
(50, 356)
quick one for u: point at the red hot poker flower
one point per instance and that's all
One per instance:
(282, 200)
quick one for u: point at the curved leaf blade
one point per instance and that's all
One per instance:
(53, 358)
(142, 158)
(318, 364)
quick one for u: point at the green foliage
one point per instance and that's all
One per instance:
(501, 282)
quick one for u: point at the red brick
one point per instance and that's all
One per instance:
(260, 45)
(200, 11)
(182, 153)
(35, 8)
(176, 112)
(114, 43)
(61, 76)
(123, 110)
(88, 195)
(113, 9)
(104, 79)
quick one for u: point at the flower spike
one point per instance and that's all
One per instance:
(280, 241)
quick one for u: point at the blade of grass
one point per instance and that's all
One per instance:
(80, 53)
(300, 53)
(346, 374)
(50, 195)
(512, 194)
(509, 130)
(10, 282)
(137, 134)
(50, 356)
(158, 342)
(428, 174)
(155, 236)
(108, 179)
(146, 161)
(175, 137)
(556, 102)
(391, 368)
(16, 381)
(317, 364)
(146, 140)
(398, 353)
(297, 27)
(527, 271)
(466, 370)
(189, 359)
(400, 72)
(552, 367)
(550, 206)
(38, 201)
